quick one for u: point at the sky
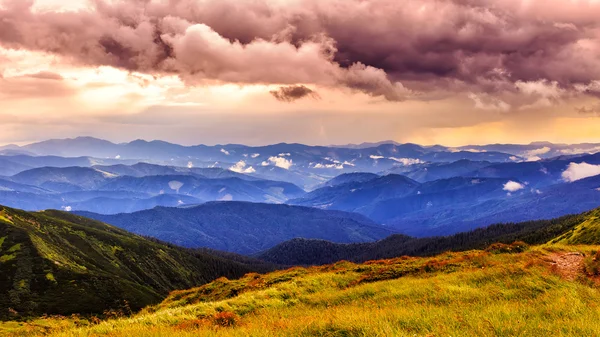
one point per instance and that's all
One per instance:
(451, 72)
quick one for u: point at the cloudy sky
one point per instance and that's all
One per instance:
(313, 71)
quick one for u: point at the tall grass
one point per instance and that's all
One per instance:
(475, 293)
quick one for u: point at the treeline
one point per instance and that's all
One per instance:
(315, 252)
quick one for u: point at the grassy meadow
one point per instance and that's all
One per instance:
(502, 291)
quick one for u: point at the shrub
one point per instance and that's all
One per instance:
(500, 248)
(225, 319)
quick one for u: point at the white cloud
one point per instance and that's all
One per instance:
(118, 157)
(226, 197)
(67, 208)
(579, 150)
(225, 152)
(329, 166)
(242, 167)
(190, 164)
(175, 185)
(577, 171)
(376, 157)
(454, 150)
(533, 158)
(285, 154)
(513, 186)
(486, 102)
(256, 155)
(533, 155)
(536, 191)
(279, 162)
(407, 161)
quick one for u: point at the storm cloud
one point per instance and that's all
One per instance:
(294, 92)
(504, 54)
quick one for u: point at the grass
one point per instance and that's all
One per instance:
(586, 233)
(505, 291)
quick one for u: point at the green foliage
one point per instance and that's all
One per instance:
(587, 232)
(59, 263)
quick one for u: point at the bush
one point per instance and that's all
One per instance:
(225, 319)
(501, 248)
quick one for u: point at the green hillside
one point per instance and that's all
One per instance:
(57, 263)
(585, 233)
(501, 291)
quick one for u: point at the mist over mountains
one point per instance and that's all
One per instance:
(393, 188)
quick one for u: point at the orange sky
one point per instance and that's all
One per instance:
(48, 95)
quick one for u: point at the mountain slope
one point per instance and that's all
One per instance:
(309, 252)
(585, 233)
(345, 178)
(243, 227)
(64, 179)
(58, 263)
(354, 195)
(476, 293)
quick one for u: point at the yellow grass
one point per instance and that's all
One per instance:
(460, 294)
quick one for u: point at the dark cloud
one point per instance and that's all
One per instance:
(294, 92)
(385, 48)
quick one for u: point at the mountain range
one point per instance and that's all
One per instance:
(415, 190)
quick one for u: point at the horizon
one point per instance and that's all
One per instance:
(370, 143)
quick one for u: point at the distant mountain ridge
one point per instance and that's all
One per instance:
(149, 186)
(243, 227)
(509, 192)
(308, 162)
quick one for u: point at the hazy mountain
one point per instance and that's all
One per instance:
(115, 205)
(536, 150)
(523, 205)
(9, 168)
(435, 171)
(303, 165)
(354, 195)
(63, 179)
(345, 178)
(187, 186)
(536, 174)
(245, 227)
(29, 161)
(207, 189)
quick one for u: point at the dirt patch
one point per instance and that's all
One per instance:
(568, 265)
